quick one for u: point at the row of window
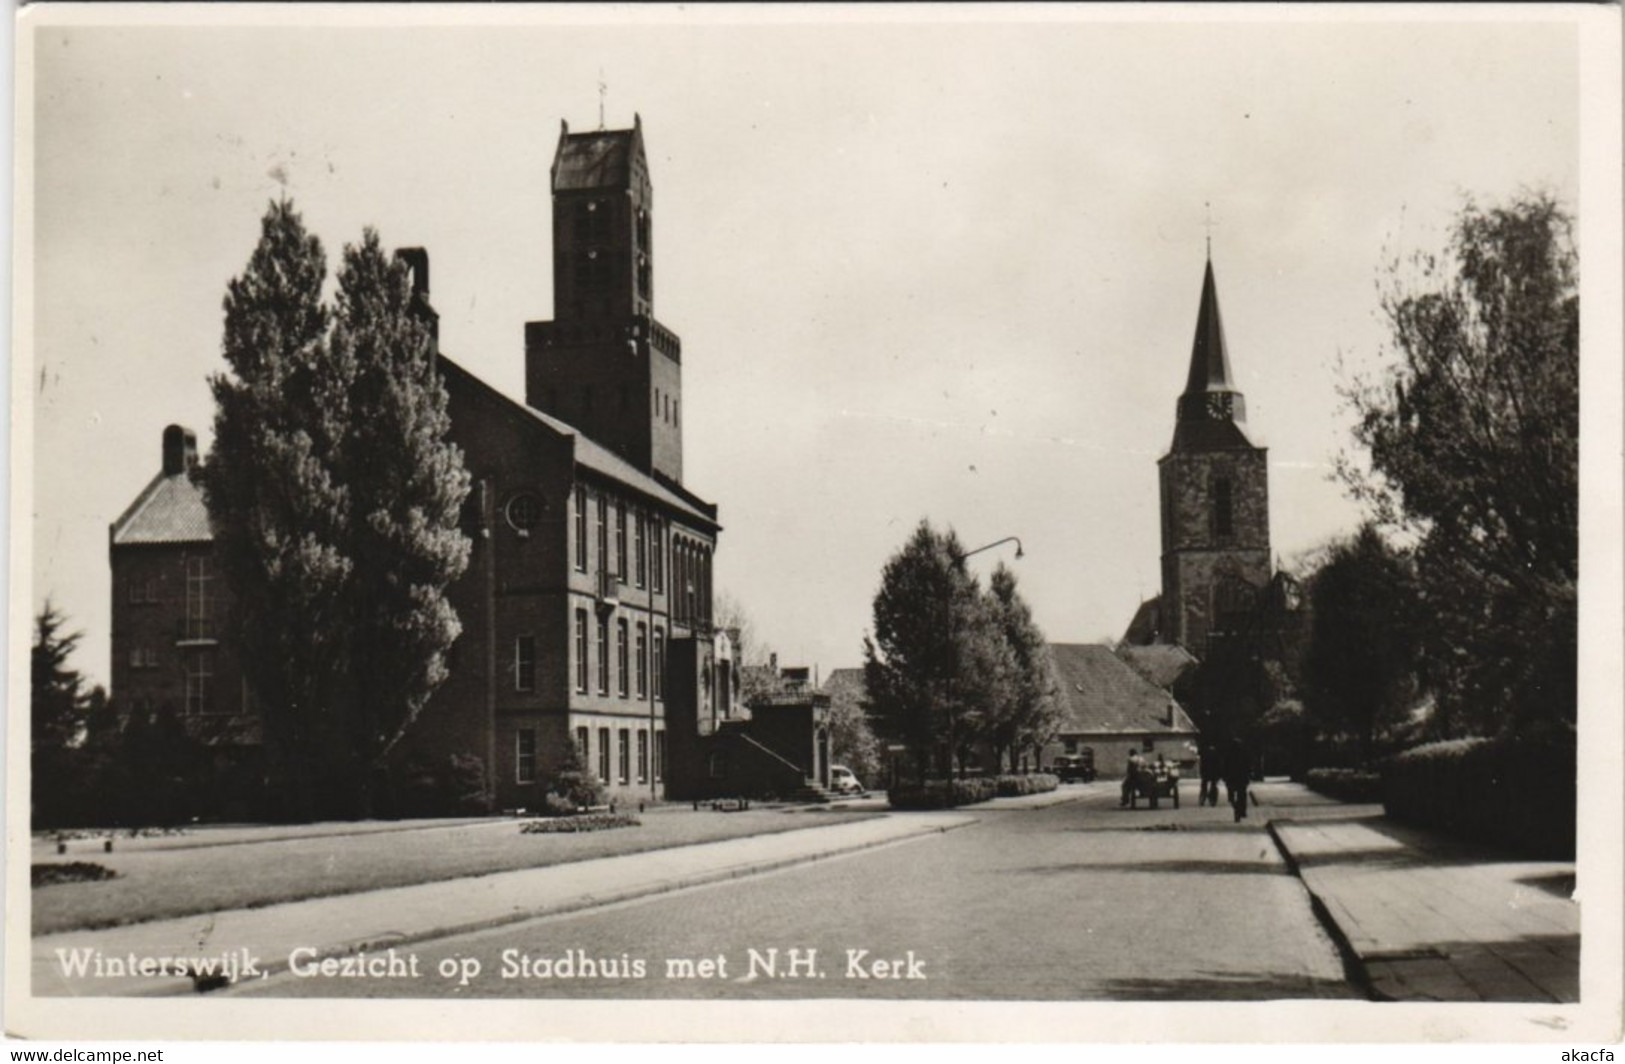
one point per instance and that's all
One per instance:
(643, 661)
(525, 754)
(644, 564)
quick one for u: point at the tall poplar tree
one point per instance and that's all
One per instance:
(278, 510)
(1029, 717)
(406, 485)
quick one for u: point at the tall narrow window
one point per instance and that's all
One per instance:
(640, 550)
(658, 554)
(620, 542)
(199, 679)
(660, 663)
(581, 651)
(603, 655)
(525, 756)
(583, 737)
(1222, 517)
(660, 756)
(198, 595)
(625, 747)
(603, 533)
(643, 755)
(622, 666)
(642, 650)
(581, 529)
(524, 663)
(603, 755)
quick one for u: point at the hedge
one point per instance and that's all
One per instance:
(1345, 784)
(1513, 792)
(942, 794)
(1036, 783)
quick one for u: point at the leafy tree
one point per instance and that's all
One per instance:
(278, 510)
(852, 741)
(406, 485)
(1030, 716)
(1473, 438)
(751, 657)
(58, 700)
(1361, 661)
(936, 661)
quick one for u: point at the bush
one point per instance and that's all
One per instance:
(565, 825)
(1345, 784)
(573, 787)
(942, 794)
(1015, 786)
(1513, 792)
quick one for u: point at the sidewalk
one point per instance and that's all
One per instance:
(1427, 917)
(376, 920)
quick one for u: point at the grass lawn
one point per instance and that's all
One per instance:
(159, 883)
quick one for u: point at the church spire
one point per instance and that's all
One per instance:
(1210, 362)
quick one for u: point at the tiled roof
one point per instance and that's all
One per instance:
(1100, 694)
(169, 510)
(590, 454)
(593, 160)
(1147, 623)
(1164, 664)
(1210, 362)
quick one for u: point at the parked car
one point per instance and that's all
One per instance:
(842, 780)
(1075, 768)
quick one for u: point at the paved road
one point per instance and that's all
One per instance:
(1077, 901)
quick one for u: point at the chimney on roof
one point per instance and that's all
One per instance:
(417, 264)
(180, 450)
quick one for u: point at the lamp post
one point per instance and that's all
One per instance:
(1007, 539)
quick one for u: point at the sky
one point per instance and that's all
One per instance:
(943, 266)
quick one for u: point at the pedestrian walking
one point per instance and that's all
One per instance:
(1237, 775)
(1212, 768)
(1130, 775)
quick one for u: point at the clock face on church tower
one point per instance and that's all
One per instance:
(1218, 406)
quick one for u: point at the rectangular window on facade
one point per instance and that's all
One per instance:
(643, 755)
(525, 755)
(660, 663)
(603, 755)
(583, 737)
(581, 529)
(623, 670)
(625, 747)
(620, 542)
(657, 553)
(603, 533)
(581, 651)
(603, 655)
(640, 551)
(198, 596)
(642, 651)
(660, 756)
(524, 663)
(1222, 518)
(199, 680)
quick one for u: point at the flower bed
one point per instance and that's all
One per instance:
(942, 794)
(572, 824)
(51, 873)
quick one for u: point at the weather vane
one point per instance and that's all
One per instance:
(1207, 206)
(603, 90)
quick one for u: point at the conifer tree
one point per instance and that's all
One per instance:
(1029, 717)
(406, 486)
(57, 696)
(278, 511)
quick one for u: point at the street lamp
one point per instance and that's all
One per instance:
(1007, 539)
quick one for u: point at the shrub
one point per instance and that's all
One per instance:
(1345, 784)
(573, 787)
(1035, 783)
(51, 873)
(565, 825)
(1509, 791)
(942, 794)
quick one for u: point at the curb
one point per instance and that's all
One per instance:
(577, 903)
(1353, 964)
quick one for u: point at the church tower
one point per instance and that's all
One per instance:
(1215, 499)
(604, 364)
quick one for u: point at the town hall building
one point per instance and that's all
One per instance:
(586, 605)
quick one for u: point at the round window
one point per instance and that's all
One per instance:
(524, 511)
